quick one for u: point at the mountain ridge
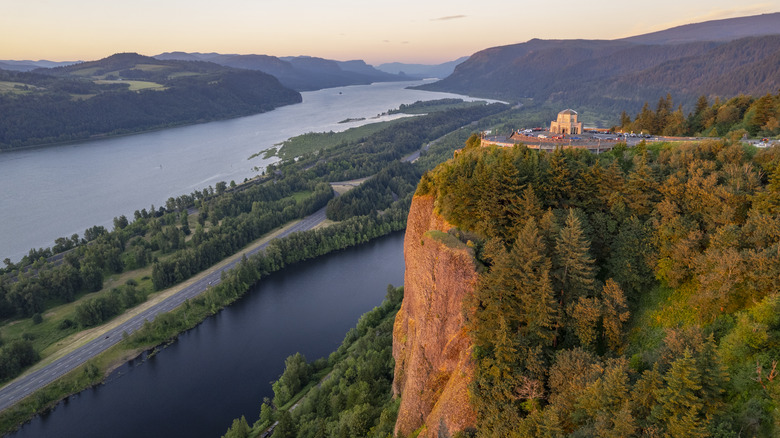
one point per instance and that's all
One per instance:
(616, 75)
(128, 92)
(301, 73)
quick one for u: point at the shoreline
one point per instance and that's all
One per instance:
(98, 137)
(92, 372)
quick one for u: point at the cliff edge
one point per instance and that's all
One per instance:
(432, 351)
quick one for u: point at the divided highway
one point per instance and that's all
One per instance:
(26, 385)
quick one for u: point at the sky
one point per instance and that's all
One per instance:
(411, 31)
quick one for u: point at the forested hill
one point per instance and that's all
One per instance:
(620, 74)
(127, 93)
(633, 293)
(301, 73)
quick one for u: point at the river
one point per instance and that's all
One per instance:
(56, 191)
(222, 369)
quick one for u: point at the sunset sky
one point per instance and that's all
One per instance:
(419, 31)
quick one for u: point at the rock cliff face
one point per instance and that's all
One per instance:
(432, 350)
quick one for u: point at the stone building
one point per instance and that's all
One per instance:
(567, 123)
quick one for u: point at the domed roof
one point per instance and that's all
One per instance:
(568, 111)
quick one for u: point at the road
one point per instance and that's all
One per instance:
(29, 383)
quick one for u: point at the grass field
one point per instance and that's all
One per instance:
(135, 85)
(11, 87)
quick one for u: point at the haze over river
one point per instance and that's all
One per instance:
(57, 191)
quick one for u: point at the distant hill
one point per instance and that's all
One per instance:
(422, 71)
(301, 73)
(126, 93)
(31, 65)
(622, 74)
(716, 30)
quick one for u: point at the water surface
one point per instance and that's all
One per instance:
(222, 369)
(57, 191)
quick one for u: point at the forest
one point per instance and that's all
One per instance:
(733, 118)
(612, 76)
(632, 293)
(97, 98)
(347, 394)
(170, 243)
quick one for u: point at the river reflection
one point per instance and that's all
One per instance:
(222, 369)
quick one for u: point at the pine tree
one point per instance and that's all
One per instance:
(239, 429)
(558, 185)
(586, 314)
(574, 267)
(641, 188)
(681, 404)
(615, 314)
(606, 402)
(713, 377)
(768, 200)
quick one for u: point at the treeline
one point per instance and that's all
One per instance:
(370, 155)
(354, 399)
(16, 356)
(96, 311)
(233, 233)
(633, 293)
(421, 105)
(177, 244)
(66, 108)
(396, 181)
(225, 223)
(738, 116)
(279, 253)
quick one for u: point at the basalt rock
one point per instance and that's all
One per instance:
(432, 351)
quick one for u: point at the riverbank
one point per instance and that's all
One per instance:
(235, 283)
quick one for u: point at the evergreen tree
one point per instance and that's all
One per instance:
(239, 429)
(586, 315)
(713, 377)
(615, 314)
(680, 401)
(574, 268)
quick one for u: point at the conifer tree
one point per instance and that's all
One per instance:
(574, 267)
(681, 404)
(586, 315)
(768, 200)
(641, 187)
(713, 377)
(615, 314)
(606, 402)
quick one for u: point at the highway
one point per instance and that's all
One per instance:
(29, 383)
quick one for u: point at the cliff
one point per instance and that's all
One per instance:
(432, 351)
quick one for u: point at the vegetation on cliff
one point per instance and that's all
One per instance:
(633, 293)
(738, 116)
(43, 298)
(346, 395)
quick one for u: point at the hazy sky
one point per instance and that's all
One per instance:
(419, 31)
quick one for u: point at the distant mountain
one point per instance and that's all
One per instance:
(716, 30)
(301, 73)
(622, 74)
(126, 93)
(422, 71)
(31, 65)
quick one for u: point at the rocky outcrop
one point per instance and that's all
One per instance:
(432, 350)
